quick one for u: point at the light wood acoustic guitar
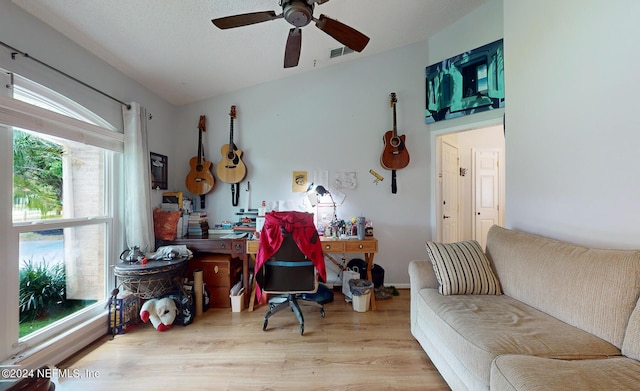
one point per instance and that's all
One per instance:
(200, 179)
(231, 168)
(395, 155)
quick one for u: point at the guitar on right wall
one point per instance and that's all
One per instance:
(395, 155)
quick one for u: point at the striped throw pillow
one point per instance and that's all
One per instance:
(462, 269)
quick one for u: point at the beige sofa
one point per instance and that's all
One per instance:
(568, 318)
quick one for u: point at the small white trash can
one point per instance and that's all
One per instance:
(237, 302)
(361, 303)
(360, 294)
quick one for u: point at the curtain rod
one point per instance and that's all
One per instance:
(26, 55)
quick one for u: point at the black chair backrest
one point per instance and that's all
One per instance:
(288, 269)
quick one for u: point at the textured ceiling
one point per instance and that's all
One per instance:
(172, 48)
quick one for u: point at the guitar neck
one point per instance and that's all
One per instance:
(395, 128)
(200, 147)
(231, 146)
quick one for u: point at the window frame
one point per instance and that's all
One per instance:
(89, 129)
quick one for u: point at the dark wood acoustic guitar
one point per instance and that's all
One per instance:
(395, 155)
(231, 168)
(200, 179)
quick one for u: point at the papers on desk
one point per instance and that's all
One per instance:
(234, 235)
(237, 289)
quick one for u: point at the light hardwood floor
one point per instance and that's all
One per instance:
(221, 350)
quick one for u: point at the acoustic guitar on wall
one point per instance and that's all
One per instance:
(200, 179)
(395, 155)
(231, 168)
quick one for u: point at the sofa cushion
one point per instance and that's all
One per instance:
(477, 328)
(631, 344)
(524, 373)
(462, 269)
(593, 289)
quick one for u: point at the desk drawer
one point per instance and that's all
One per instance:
(252, 246)
(333, 246)
(238, 247)
(362, 246)
(222, 246)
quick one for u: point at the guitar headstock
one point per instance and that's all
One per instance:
(392, 99)
(202, 125)
(232, 113)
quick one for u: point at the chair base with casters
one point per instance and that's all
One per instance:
(292, 301)
(289, 279)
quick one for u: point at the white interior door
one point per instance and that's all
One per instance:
(450, 194)
(487, 195)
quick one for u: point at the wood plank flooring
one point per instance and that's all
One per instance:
(221, 350)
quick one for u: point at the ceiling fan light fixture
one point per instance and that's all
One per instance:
(298, 13)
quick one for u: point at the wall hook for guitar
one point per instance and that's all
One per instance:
(200, 179)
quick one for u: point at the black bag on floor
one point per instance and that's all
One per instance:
(358, 265)
(377, 275)
(186, 306)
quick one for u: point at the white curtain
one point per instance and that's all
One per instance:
(138, 216)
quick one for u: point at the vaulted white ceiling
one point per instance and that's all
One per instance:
(172, 48)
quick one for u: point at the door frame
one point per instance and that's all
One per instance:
(434, 222)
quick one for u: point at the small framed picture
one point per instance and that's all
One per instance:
(159, 166)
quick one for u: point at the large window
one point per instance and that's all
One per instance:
(62, 212)
(58, 191)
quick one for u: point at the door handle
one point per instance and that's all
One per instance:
(446, 217)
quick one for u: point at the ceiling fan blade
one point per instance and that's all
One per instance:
(348, 36)
(292, 50)
(228, 22)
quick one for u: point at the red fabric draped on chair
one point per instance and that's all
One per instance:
(300, 225)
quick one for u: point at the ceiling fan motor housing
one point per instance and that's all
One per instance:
(297, 12)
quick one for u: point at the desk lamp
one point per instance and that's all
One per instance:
(320, 191)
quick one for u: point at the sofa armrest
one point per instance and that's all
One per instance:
(421, 275)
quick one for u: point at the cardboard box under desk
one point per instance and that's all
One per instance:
(220, 272)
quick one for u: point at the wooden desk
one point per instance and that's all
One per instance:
(368, 247)
(215, 244)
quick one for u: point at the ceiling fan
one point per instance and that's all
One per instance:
(298, 13)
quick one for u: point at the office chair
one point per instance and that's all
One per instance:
(288, 263)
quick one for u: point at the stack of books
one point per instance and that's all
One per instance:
(198, 226)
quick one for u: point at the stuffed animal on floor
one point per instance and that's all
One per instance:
(161, 312)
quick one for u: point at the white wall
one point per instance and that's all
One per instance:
(334, 119)
(572, 124)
